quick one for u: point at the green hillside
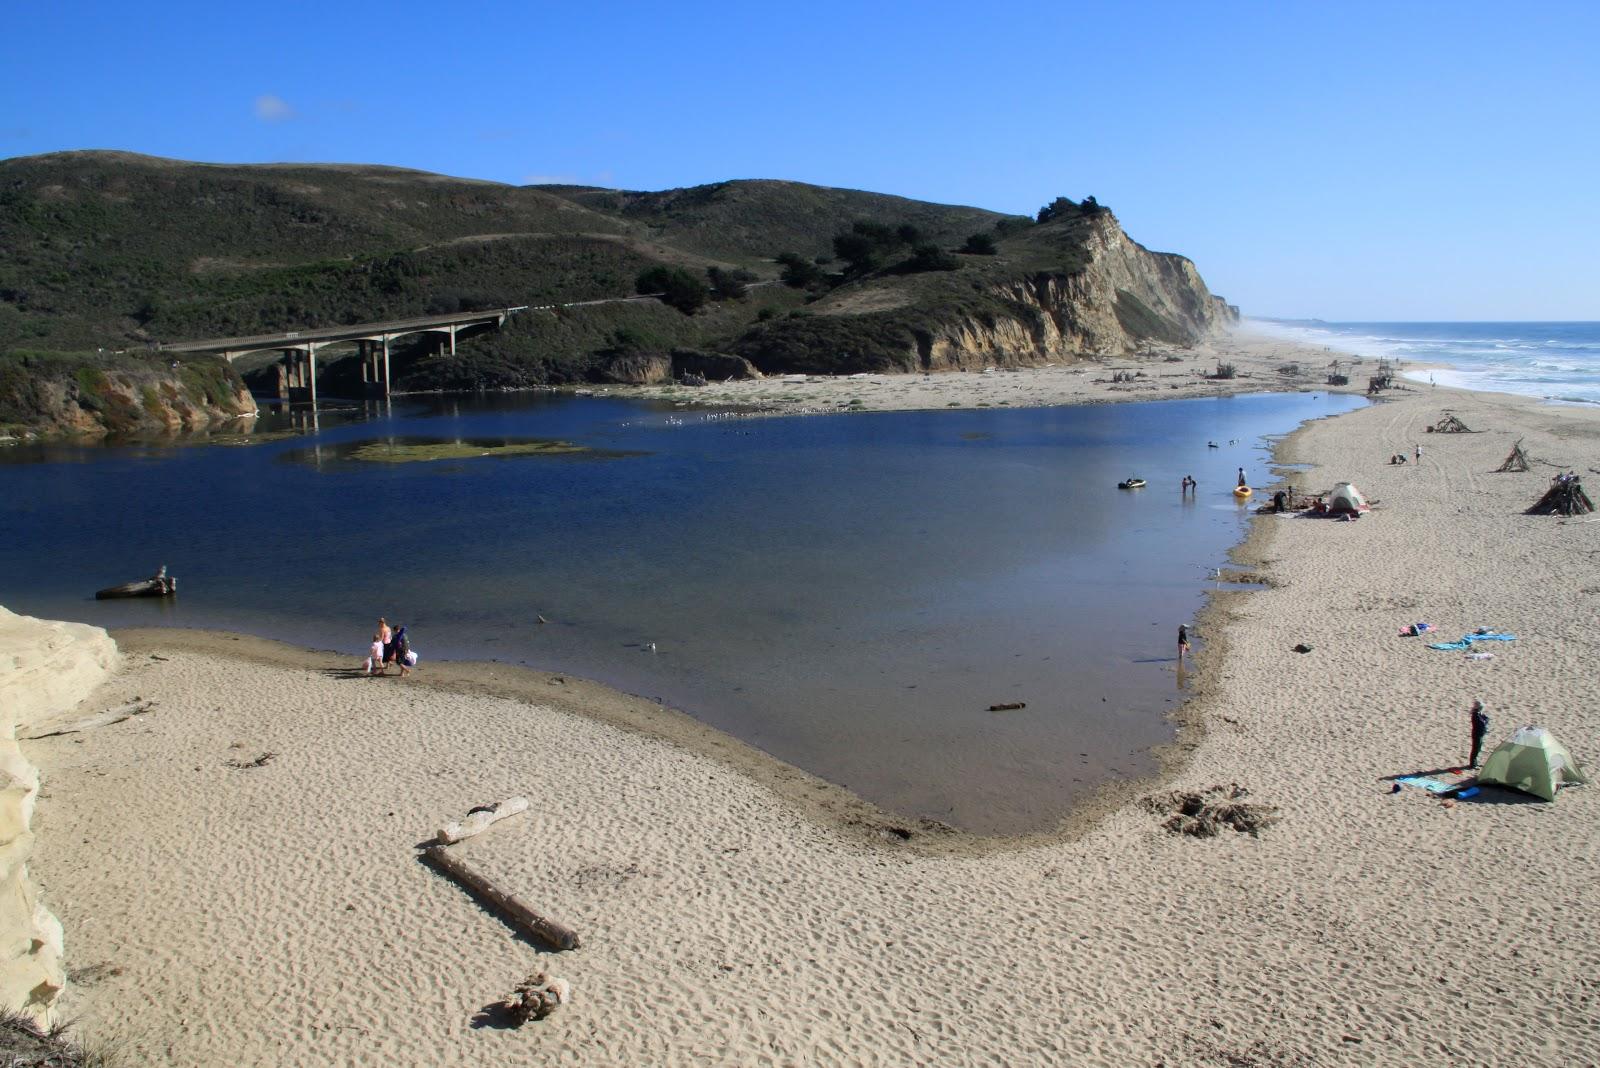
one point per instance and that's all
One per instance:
(117, 251)
(751, 221)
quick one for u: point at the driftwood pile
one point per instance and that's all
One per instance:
(1450, 425)
(1517, 460)
(536, 997)
(1564, 497)
(1205, 813)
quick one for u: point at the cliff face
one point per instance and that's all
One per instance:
(1075, 289)
(45, 394)
(1126, 294)
(45, 668)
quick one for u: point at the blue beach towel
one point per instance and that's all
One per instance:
(1467, 640)
(1432, 785)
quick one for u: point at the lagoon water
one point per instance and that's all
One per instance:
(850, 593)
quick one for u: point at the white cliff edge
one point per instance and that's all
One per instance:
(46, 668)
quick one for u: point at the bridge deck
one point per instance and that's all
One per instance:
(333, 334)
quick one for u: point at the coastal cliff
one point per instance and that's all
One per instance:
(45, 668)
(1074, 288)
(43, 394)
(1126, 295)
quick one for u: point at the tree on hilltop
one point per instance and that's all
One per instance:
(1066, 208)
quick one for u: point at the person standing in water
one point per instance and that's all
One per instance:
(1242, 482)
(1183, 641)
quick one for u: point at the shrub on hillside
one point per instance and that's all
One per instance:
(676, 287)
(930, 258)
(728, 284)
(797, 272)
(980, 245)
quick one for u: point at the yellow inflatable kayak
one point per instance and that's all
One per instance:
(1242, 491)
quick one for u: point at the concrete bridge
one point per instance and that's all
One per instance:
(297, 375)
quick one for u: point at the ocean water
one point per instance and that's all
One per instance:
(1555, 361)
(850, 593)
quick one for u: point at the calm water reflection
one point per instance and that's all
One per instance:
(850, 593)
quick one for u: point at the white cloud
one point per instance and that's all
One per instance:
(270, 108)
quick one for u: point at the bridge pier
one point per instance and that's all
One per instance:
(374, 356)
(297, 376)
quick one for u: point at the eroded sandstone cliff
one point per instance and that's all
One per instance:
(46, 668)
(1126, 295)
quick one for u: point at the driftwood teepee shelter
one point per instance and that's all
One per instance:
(1516, 460)
(1564, 497)
(1450, 425)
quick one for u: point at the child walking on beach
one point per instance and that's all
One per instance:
(375, 655)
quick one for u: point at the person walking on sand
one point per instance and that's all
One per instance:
(1480, 727)
(374, 665)
(397, 651)
(1183, 641)
(1416, 453)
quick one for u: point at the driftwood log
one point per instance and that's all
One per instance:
(137, 707)
(480, 820)
(516, 911)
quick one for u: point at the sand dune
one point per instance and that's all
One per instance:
(277, 914)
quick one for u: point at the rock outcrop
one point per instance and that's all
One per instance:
(63, 394)
(46, 667)
(712, 366)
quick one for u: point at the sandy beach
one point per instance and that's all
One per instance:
(1260, 362)
(237, 870)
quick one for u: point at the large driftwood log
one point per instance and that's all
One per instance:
(514, 909)
(479, 821)
(137, 707)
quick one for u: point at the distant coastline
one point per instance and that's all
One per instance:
(1553, 361)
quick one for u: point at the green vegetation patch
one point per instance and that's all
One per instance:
(410, 452)
(432, 450)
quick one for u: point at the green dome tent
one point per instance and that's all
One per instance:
(1531, 760)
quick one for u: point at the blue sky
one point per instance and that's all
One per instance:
(1342, 161)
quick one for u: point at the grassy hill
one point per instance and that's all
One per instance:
(117, 251)
(749, 222)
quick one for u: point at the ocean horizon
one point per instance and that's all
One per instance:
(1552, 360)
